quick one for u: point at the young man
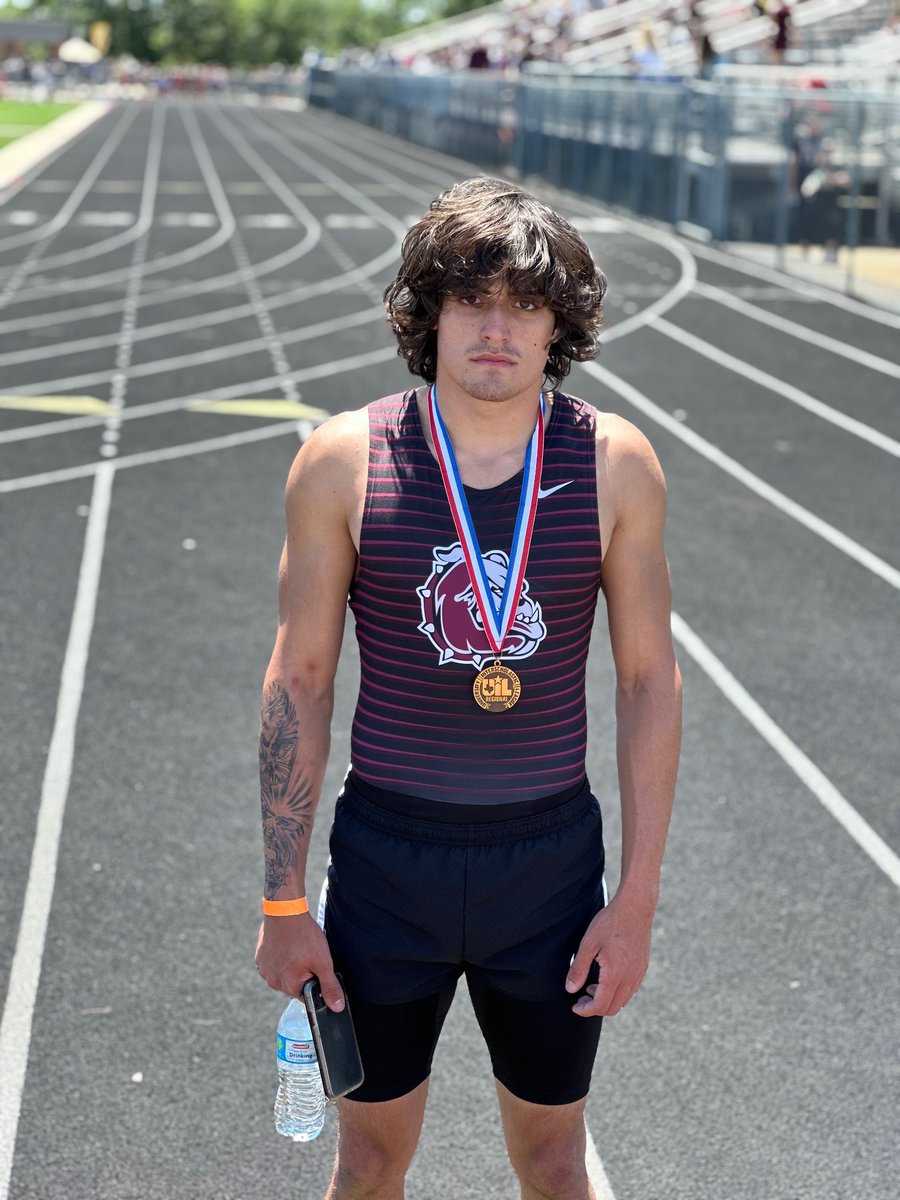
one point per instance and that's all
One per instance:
(468, 521)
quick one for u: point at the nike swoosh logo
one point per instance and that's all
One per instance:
(543, 493)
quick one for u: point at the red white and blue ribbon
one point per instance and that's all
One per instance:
(496, 618)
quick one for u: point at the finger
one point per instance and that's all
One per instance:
(597, 998)
(331, 989)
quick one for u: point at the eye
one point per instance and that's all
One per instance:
(470, 301)
(529, 303)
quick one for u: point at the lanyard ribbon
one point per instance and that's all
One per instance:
(496, 618)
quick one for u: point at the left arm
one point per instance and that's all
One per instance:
(648, 722)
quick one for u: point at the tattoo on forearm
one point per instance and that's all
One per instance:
(285, 794)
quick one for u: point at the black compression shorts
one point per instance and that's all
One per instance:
(421, 892)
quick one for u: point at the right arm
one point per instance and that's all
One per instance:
(316, 570)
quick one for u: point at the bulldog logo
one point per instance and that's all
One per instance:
(450, 617)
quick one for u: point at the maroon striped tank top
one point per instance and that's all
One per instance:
(417, 727)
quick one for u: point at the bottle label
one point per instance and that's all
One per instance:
(296, 1053)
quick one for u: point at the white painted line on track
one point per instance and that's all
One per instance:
(149, 457)
(744, 266)
(596, 1171)
(783, 325)
(137, 228)
(125, 348)
(681, 288)
(25, 973)
(731, 467)
(165, 262)
(44, 234)
(156, 407)
(223, 208)
(62, 133)
(802, 766)
(771, 382)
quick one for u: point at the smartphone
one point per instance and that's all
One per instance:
(335, 1040)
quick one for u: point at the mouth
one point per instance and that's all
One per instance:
(494, 360)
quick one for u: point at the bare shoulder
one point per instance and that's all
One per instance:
(628, 470)
(329, 464)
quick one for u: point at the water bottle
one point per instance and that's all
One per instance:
(300, 1103)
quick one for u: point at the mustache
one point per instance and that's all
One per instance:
(503, 351)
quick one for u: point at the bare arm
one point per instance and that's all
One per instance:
(316, 569)
(648, 719)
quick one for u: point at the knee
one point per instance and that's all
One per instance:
(366, 1168)
(553, 1171)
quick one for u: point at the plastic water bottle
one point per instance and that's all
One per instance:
(300, 1103)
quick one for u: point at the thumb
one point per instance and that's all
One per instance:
(331, 989)
(578, 971)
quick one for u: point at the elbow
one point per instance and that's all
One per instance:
(658, 683)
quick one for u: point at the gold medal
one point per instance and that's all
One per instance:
(496, 688)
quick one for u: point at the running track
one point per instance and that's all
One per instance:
(206, 282)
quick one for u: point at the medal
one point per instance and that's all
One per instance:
(496, 688)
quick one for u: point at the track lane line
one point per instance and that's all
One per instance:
(743, 266)
(793, 329)
(84, 470)
(803, 767)
(24, 978)
(238, 248)
(771, 383)
(156, 407)
(49, 231)
(803, 516)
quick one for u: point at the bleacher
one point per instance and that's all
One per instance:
(844, 36)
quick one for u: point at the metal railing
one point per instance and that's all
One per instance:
(725, 162)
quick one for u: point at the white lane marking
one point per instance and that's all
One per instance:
(223, 208)
(155, 407)
(148, 457)
(677, 292)
(833, 415)
(74, 124)
(21, 216)
(596, 1171)
(24, 977)
(349, 221)
(165, 262)
(125, 347)
(743, 266)
(783, 325)
(189, 220)
(100, 220)
(64, 474)
(802, 766)
(730, 466)
(44, 234)
(266, 220)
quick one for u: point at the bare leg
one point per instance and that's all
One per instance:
(546, 1144)
(376, 1144)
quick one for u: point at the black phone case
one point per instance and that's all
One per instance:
(335, 1040)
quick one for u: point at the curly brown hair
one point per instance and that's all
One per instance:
(481, 234)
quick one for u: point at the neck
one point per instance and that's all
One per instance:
(486, 428)
(489, 438)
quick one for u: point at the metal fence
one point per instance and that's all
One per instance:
(727, 162)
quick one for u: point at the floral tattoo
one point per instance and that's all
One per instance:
(285, 794)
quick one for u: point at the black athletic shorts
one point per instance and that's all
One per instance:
(420, 892)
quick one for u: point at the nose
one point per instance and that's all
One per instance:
(495, 322)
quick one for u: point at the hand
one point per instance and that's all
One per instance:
(291, 950)
(618, 939)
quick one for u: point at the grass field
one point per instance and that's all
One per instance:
(20, 117)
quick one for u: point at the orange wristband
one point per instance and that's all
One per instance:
(285, 908)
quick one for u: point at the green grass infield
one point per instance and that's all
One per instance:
(20, 117)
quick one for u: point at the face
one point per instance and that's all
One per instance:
(493, 345)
